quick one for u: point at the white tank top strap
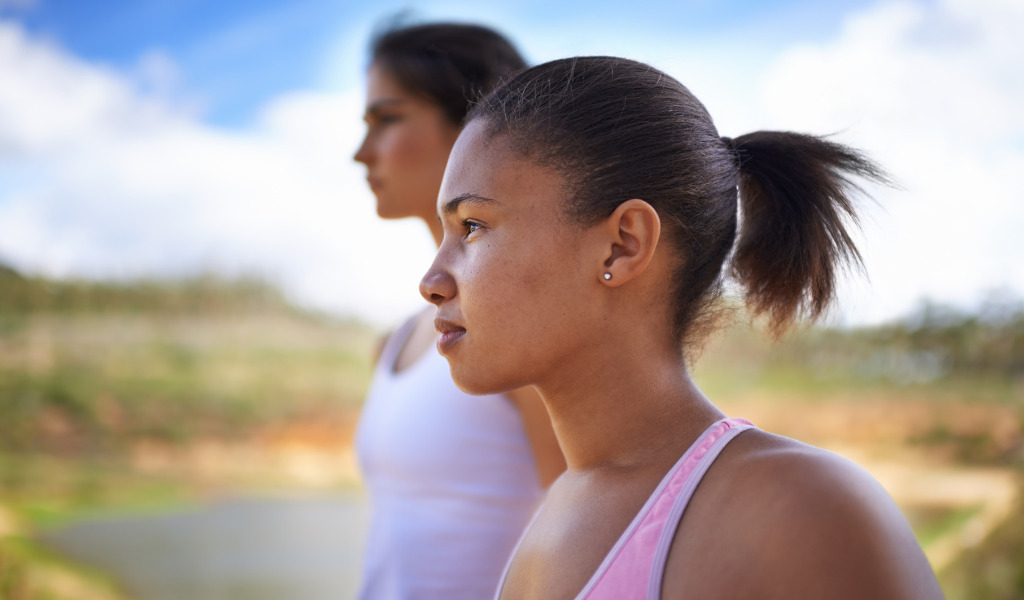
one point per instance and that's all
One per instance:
(395, 343)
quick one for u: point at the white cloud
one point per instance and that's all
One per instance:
(112, 181)
(51, 103)
(933, 91)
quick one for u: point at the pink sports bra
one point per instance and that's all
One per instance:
(634, 567)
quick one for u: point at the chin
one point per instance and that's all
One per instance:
(386, 212)
(480, 386)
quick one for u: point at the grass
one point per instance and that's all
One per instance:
(994, 568)
(931, 524)
(75, 489)
(97, 384)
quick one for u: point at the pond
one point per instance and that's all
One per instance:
(247, 548)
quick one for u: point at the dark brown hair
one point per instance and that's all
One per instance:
(618, 129)
(450, 64)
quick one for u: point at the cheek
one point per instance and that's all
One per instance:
(531, 288)
(401, 149)
(413, 149)
(487, 286)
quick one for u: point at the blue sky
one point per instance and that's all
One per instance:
(235, 55)
(170, 136)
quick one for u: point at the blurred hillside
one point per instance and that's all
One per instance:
(90, 367)
(202, 295)
(936, 343)
(152, 393)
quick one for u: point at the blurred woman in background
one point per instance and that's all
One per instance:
(452, 478)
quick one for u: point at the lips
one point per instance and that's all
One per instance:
(450, 332)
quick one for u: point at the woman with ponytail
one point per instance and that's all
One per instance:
(591, 215)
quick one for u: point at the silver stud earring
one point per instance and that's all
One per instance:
(607, 276)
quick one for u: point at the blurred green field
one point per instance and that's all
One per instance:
(147, 395)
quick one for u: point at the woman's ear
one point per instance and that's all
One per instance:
(632, 234)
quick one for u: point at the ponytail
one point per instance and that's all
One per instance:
(796, 192)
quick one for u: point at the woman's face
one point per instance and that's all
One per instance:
(513, 279)
(406, 147)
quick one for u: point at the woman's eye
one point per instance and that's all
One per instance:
(470, 226)
(381, 121)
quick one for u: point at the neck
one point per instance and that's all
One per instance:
(629, 410)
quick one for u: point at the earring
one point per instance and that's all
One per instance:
(607, 276)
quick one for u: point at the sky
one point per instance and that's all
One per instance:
(171, 137)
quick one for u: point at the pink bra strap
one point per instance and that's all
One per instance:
(640, 552)
(675, 491)
(671, 523)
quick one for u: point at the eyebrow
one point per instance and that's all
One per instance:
(376, 107)
(452, 205)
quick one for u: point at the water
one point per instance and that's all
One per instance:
(252, 549)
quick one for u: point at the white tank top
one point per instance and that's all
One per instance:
(451, 477)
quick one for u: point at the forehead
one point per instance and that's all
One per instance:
(380, 84)
(488, 166)
(472, 158)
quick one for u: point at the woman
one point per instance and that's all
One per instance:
(452, 478)
(590, 214)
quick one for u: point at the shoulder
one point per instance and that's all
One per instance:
(416, 330)
(804, 522)
(790, 478)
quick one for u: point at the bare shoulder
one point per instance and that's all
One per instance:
(798, 521)
(803, 482)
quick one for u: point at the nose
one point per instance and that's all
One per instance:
(437, 285)
(363, 153)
